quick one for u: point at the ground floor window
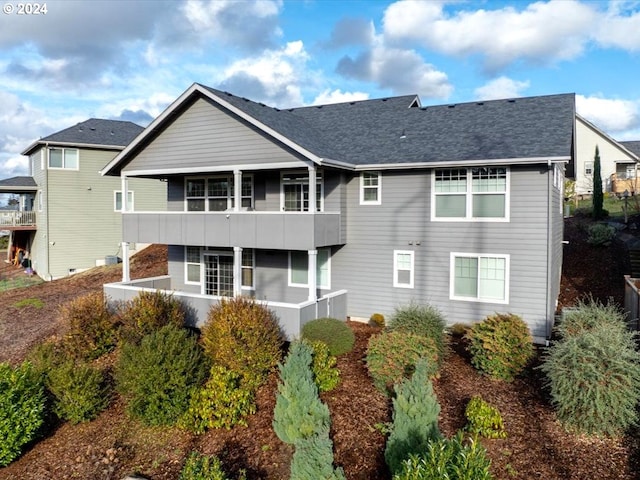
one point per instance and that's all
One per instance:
(218, 268)
(192, 265)
(299, 266)
(479, 277)
(403, 268)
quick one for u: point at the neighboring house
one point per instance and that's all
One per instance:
(69, 216)
(356, 208)
(618, 162)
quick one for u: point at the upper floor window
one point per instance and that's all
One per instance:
(295, 192)
(117, 201)
(66, 158)
(480, 193)
(370, 188)
(216, 194)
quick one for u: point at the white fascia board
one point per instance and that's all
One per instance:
(95, 146)
(464, 163)
(214, 169)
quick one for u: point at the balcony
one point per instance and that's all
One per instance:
(15, 220)
(267, 230)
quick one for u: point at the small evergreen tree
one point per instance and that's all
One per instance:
(597, 187)
(313, 460)
(415, 418)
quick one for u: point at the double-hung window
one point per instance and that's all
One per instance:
(370, 188)
(192, 264)
(64, 158)
(588, 168)
(479, 277)
(299, 267)
(403, 268)
(248, 263)
(480, 194)
(216, 194)
(117, 201)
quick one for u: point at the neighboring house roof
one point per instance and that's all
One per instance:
(397, 131)
(633, 145)
(92, 133)
(18, 184)
(620, 145)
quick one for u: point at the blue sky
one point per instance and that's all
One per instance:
(130, 59)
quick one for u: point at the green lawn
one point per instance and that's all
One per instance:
(613, 205)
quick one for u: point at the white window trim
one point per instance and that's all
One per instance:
(469, 202)
(206, 197)
(411, 253)
(378, 189)
(252, 287)
(452, 275)
(588, 168)
(186, 263)
(306, 285)
(319, 176)
(63, 167)
(129, 204)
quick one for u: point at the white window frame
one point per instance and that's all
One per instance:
(479, 298)
(588, 169)
(130, 200)
(230, 192)
(306, 284)
(319, 188)
(377, 188)
(396, 268)
(252, 267)
(187, 263)
(64, 151)
(469, 194)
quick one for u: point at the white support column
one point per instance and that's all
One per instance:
(237, 271)
(312, 275)
(312, 188)
(125, 189)
(126, 268)
(237, 190)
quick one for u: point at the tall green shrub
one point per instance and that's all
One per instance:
(323, 366)
(415, 418)
(299, 413)
(335, 333)
(589, 314)
(598, 197)
(425, 320)
(148, 312)
(22, 409)
(313, 460)
(158, 376)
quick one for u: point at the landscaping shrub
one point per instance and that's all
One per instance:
(90, 327)
(323, 366)
(313, 460)
(600, 234)
(45, 356)
(204, 467)
(589, 314)
(415, 418)
(335, 333)
(22, 409)
(158, 376)
(80, 391)
(447, 459)
(148, 312)
(594, 380)
(391, 356)
(299, 413)
(424, 320)
(377, 320)
(243, 336)
(223, 402)
(484, 419)
(500, 346)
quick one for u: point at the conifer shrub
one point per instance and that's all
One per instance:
(46, 356)
(415, 418)
(22, 409)
(223, 402)
(91, 329)
(335, 333)
(244, 337)
(594, 381)
(600, 234)
(299, 413)
(80, 391)
(377, 320)
(500, 346)
(484, 419)
(424, 320)
(158, 376)
(392, 356)
(323, 366)
(447, 459)
(589, 314)
(204, 467)
(313, 460)
(148, 312)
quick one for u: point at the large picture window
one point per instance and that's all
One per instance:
(216, 194)
(480, 194)
(299, 266)
(64, 158)
(479, 277)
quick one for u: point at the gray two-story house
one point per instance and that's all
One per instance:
(356, 208)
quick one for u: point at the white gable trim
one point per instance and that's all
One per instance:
(609, 139)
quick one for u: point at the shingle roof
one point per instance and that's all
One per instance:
(633, 145)
(95, 131)
(369, 131)
(17, 184)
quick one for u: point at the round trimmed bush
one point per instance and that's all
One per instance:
(392, 356)
(425, 320)
(500, 346)
(335, 333)
(148, 312)
(377, 320)
(588, 315)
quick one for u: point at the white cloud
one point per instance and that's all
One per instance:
(619, 29)
(541, 33)
(501, 87)
(338, 96)
(611, 115)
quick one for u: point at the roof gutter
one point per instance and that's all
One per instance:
(33, 146)
(470, 163)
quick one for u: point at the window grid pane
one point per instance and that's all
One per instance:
(466, 277)
(492, 278)
(451, 180)
(489, 179)
(195, 188)
(193, 254)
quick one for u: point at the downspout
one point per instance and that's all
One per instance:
(550, 242)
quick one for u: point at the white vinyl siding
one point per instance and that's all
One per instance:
(403, 268)
(117, 201)
(64, 158)
(480, 277)
(370, 188)
(299, 266)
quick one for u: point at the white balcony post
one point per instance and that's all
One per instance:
(125, 189)
(312, 189)
(126, 275)
(237, 271)
(237, 190)
(312, 275)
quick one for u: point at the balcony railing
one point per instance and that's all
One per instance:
(12, 219)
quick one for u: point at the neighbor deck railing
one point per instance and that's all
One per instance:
(632, 301)
(14, 218)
